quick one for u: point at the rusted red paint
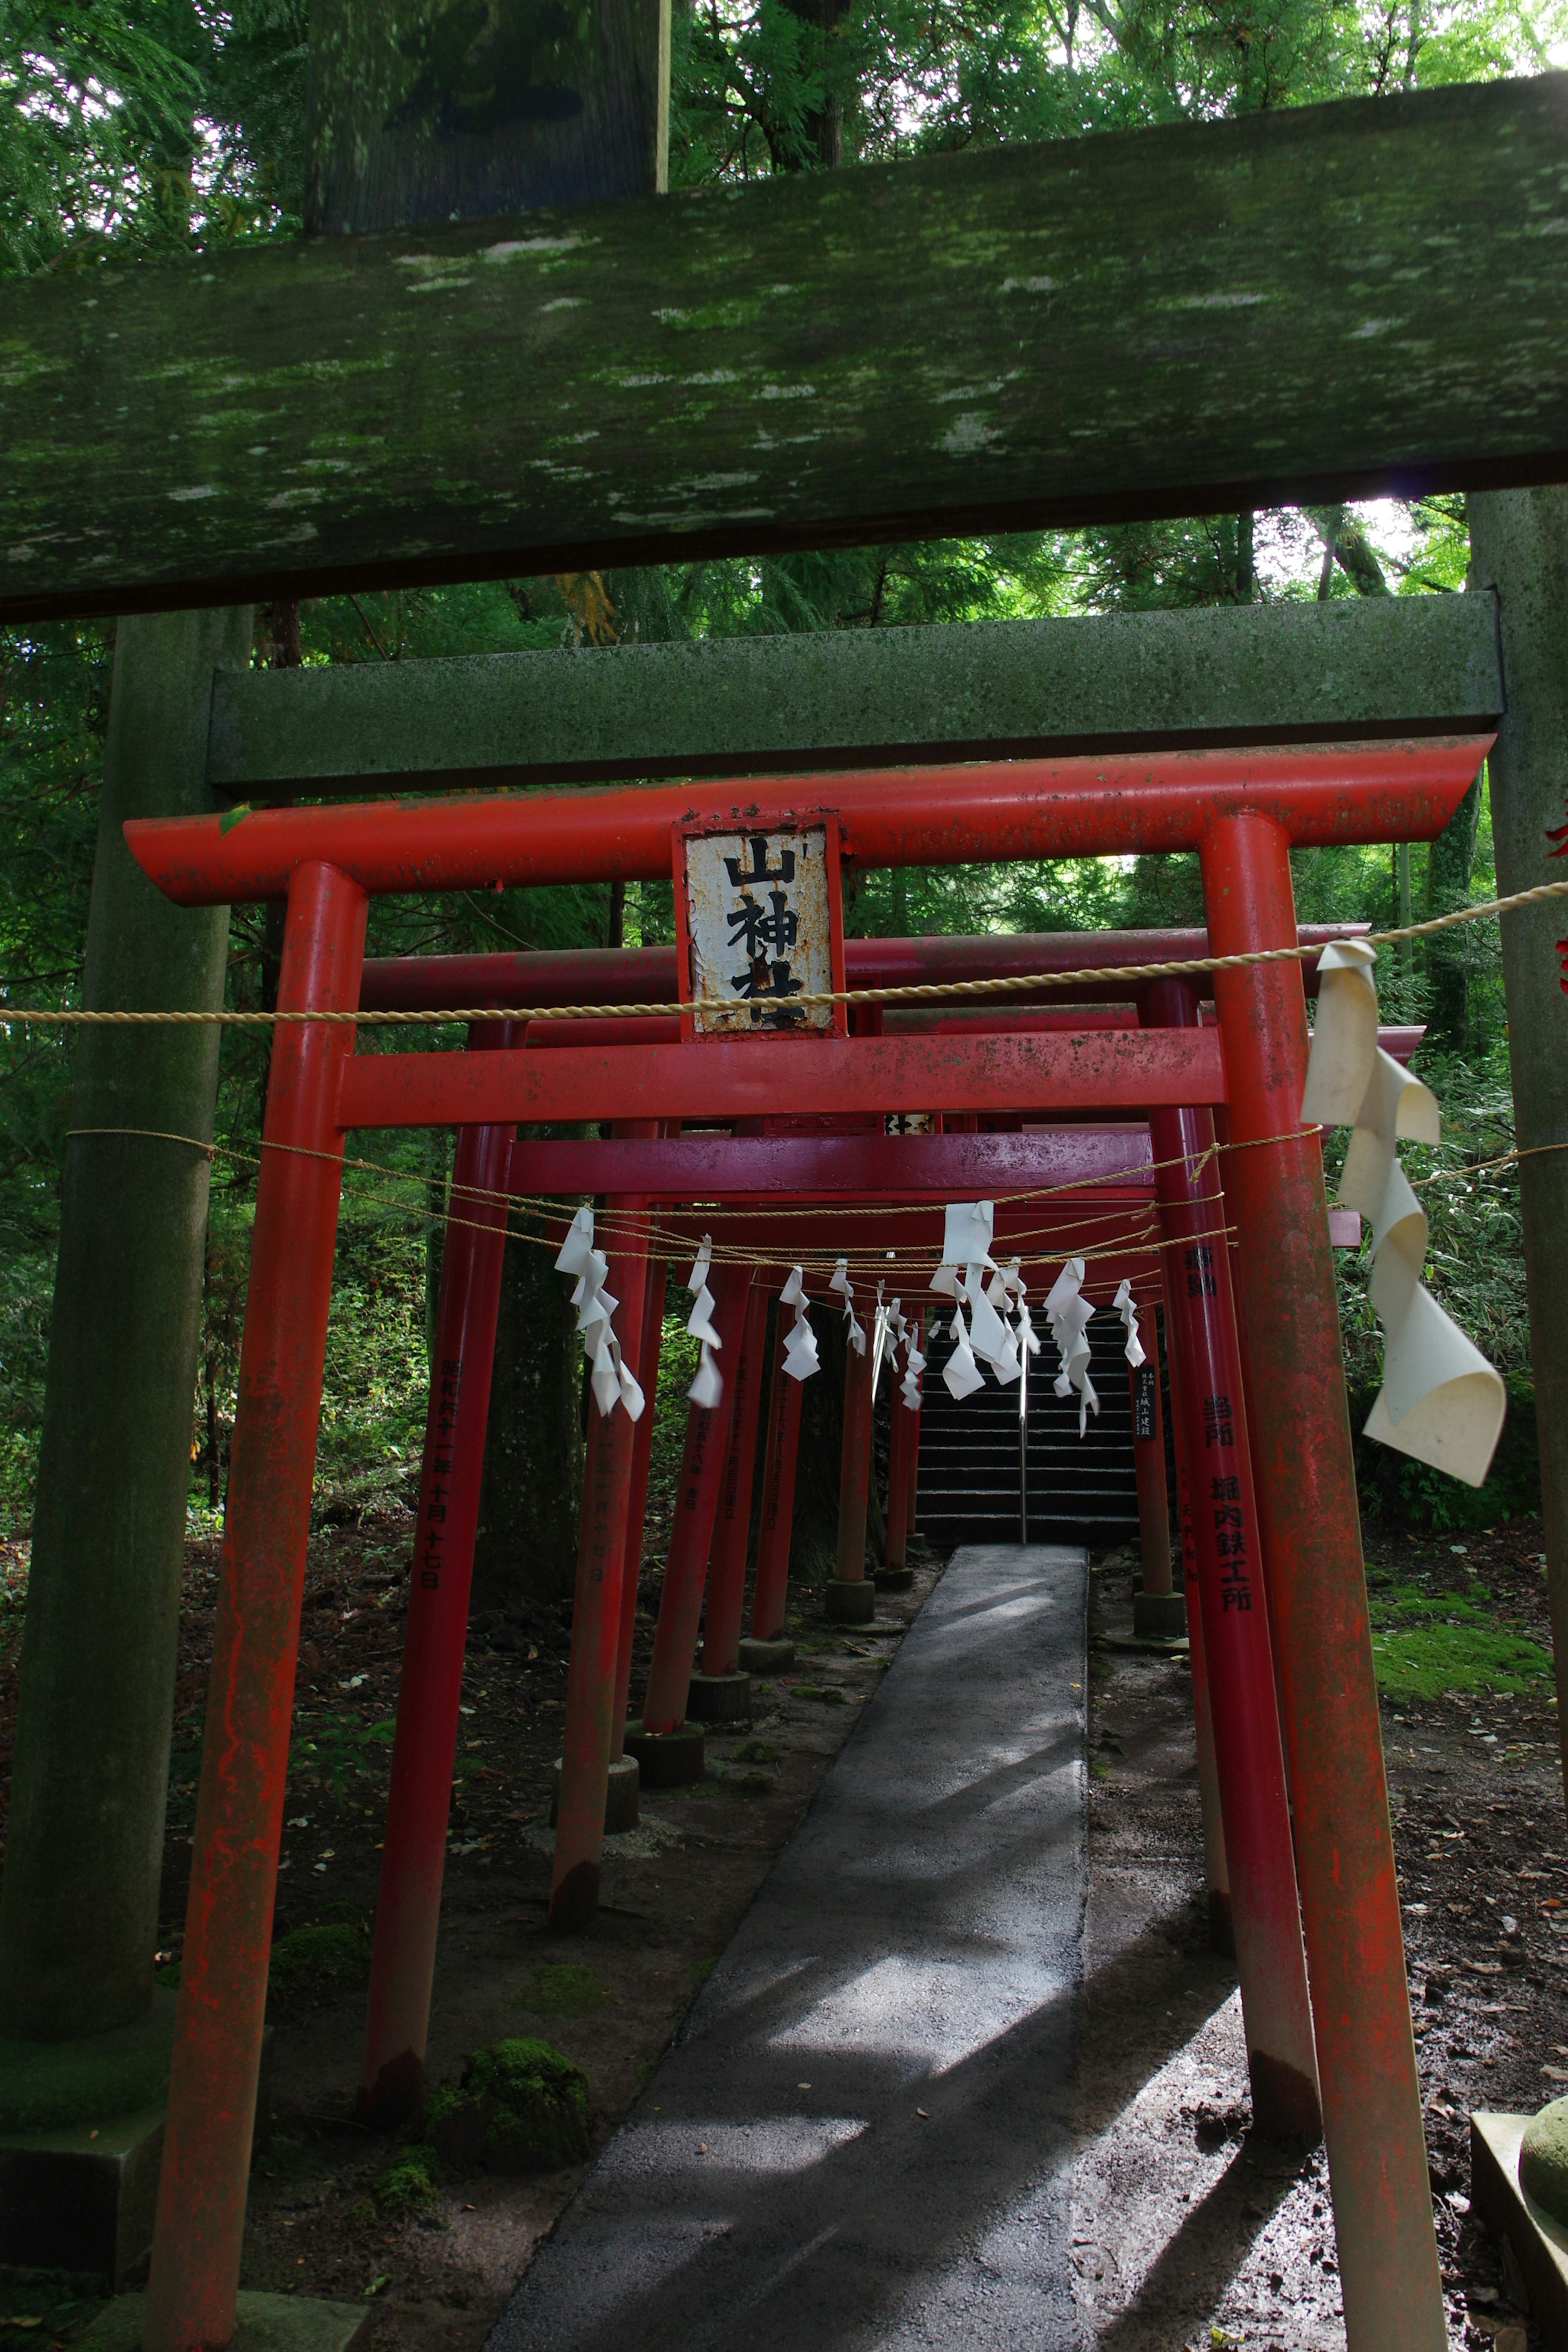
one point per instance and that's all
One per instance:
(731, 1529)
(695, 1508)
(239, 1808)
(770, 1592)
(1349, 1896)
(408, 1904)
(1265, 1907)
(593, 1669)
(1094, 1070)
(990, 809)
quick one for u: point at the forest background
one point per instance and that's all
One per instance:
(151, 126)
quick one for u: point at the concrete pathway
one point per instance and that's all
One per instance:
(859, 2141)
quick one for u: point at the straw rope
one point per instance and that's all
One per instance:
(908, 992)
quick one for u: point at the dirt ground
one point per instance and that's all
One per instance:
(1186, 2232)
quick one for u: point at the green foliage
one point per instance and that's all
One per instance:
(410, 2184)
(1425, 1643)
(564, 1988)
(329, 1746)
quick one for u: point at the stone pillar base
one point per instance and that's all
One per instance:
(266, 2323)
(720, 1698)
(851, 1601)
(81, 2138)
(1160, 1616)
(82, 2198)
(895, 1579)
(668, 1760)
(1538, 2244)
(774, 1658)
(622, 1811)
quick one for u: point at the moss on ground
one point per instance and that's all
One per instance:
(564, 1988)
(311, 1962)
(1423, 1643)
(409, 2183)
(521, 2106)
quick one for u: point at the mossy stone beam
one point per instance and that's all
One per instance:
(1245, 674)
(1313, 304)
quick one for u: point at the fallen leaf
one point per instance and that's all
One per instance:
(376, 2285)
(921, 2111)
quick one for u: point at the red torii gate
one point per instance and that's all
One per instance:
(1241, 812)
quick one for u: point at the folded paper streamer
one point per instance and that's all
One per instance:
(612, 1382)
(1067, 1312)
(799, 1359)
(914, 1362)
(708, 1387)
(880, 1325)
(966, 1259)
(1440, 1401)
(839, 1280)
(1125, 1307)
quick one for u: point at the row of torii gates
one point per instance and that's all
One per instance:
(1270, 1528)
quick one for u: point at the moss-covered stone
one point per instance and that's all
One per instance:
(523, 2106)
(1544, 2160)
(310, 1962)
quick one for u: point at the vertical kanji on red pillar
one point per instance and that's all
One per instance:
(1217, 1870)
(1201, 1321)
(593, 1668)
(900, 1430)
(195, 2276)
(637, 1502)
(854, 1464)
(1312, 1529)
(408, 1904)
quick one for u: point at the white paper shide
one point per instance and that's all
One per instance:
(1440, 1401)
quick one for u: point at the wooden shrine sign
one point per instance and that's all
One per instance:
(760, 923)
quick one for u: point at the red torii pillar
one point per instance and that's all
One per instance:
(767, 1651)
(721, 1693)
(1265, 1907)
(1311, 1534)
(413, 1857)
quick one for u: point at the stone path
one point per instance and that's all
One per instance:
(859, 2143)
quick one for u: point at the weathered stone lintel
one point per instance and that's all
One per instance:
(1315, 302)
(1258, 674)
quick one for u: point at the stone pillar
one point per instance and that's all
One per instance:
(1519, 543)
(79, 1903)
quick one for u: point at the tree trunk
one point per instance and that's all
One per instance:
(525, 1549)
(1519, 543)
(1448, 868)
(79, 1907)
